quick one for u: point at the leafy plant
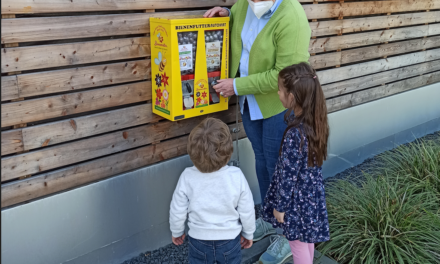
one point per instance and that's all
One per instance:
(417, 163)
(384, 221)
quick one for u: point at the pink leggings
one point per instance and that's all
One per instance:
(302, 252)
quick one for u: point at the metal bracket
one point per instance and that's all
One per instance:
(235, 130)
(234, 163)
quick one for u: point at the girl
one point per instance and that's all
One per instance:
(295, 201)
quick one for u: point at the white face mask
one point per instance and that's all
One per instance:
(260, 8)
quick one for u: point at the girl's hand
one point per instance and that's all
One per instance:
(225, 87)
(245, 243)
(178, 240)
(279, 216)
(216, 11)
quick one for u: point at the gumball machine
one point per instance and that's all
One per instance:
(189, 56)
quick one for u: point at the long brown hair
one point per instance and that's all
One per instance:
(301, 81)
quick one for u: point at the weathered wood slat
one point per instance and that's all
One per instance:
(389, 49)
(9, 88)
(313, 11)
(360, 54)
(68, 104)
(365, 68)
(344, 26)
(12, 141)
(368, 95)
(370, 38)
(82, 150)
(79, 127)
(348, 86)
(47, 56)
(346, 9)
(41, 83)
(86, 126)
(99, 169)
(70, 27)
(50, 6)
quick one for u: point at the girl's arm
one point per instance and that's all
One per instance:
(290, 168)
(179, 209)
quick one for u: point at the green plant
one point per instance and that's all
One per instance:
(383, 221)
(417, 163)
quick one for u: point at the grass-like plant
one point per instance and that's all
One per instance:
(417, 163)
(384, 221)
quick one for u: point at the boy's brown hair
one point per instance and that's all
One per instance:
(210, 145)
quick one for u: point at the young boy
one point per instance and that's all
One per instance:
(216, 196)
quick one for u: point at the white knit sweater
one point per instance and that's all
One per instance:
(219, 204)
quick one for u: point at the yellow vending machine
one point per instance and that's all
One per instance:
(188, 56)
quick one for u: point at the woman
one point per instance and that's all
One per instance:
(266, 36)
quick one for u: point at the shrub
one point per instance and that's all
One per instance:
(417, 163)
(383, 221)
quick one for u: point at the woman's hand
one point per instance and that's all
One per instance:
(279, 216)
(178, 240)
(225, 87)
(245, 243)
(216, 11)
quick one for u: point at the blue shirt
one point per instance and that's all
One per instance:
(252, 26)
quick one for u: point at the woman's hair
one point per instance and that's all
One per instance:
(301, 81)
(210, 145)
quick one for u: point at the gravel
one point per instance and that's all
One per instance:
(172, 254)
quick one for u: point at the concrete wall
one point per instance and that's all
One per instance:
(115, 219)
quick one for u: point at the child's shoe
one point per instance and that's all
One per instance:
(263, 229)
(278, 251)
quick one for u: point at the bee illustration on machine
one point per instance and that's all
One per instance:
(160, 61)
(160, 37)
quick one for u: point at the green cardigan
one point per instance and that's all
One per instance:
(282, 42)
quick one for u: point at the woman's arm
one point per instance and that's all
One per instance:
(290, 167)
(292, 45)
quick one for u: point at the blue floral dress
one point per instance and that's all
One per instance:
(297, 190)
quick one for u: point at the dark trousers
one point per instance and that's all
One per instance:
(265, 136)
(214, 251)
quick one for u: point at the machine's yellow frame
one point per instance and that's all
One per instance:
(165, 69)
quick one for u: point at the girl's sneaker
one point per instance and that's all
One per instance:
(263, 229)
(278, 251)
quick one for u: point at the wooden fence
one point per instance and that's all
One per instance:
(76, 90)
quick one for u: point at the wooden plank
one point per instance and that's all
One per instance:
(320, 11)
(50, 6)
(389, 49)
(360, 54)
(82, 150)
(368, 95)
(334, 27)
(370, 38)
(86, 126)
(99, 169)
(74, 103)
(47, 56)
(70, 27)
(9, 88)
(48, 82)
(12, 141)
(352, 85)
(365, 68)
(367, 8)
